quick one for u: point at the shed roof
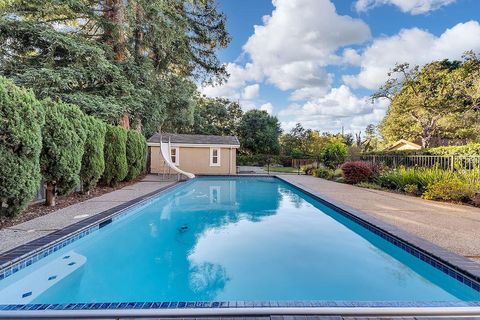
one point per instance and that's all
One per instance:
(195, 139)
(402, 142)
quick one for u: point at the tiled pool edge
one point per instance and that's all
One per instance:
(452, 264)
(24, 255)
(373, 308)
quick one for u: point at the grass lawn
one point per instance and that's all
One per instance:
(281, 169)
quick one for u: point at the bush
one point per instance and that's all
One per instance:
(115, 152)
(93, 162)
(22, 117)
(357, 171)
(324, 173)
(455, 189)
(63, 147)
(400, 178)
(136, 154)
(411, 189)
(334, 154)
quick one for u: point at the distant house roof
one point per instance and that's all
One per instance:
(195, 139)
(403, 144)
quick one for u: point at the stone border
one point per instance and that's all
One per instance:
(428, 252)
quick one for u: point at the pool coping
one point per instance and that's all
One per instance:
(438, 257)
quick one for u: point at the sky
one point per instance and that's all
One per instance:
(318, 61)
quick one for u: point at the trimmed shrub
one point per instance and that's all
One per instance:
(455, 189)
(136, 154)
(64, 136)
(22, 117)
(356, 171)
(115, 153)
(334, 154)
(93, 162)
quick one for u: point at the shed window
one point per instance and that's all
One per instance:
(214, 157)
(174, 155)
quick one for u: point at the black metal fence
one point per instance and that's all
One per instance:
(426, 161)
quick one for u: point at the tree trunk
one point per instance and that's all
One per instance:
(139, 34)
(125, 121)
(50, 194)
(115, 35)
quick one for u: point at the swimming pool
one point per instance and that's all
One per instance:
(231, 239)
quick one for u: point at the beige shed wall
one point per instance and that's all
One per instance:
(197, 160)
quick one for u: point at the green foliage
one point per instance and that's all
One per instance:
(334, 154)
(471, 149)
(259, 133)
(411, 189)
(143, 58)
(369, 185)
(22, 118)
(136, 154)
(437, 102)
(400, 178)
(324, 173)
(64, 136)
(452, 189)
(217, 116)
(116, 168)
(93, 162)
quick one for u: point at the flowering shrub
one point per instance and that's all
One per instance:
(357, 171)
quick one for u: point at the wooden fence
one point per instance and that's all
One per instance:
(425, 161)
(297, 163)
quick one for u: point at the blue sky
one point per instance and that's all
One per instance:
(317, 61)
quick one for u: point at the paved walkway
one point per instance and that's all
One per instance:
(30, 230)
(454, 227)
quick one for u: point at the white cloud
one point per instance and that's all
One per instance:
(251, 92)
(340, 107)
(268, 107)
(296, 41)
(411, 6)
(292, 47)
(414, 46)
(239, 77)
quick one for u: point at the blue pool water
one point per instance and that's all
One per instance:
(229, 239)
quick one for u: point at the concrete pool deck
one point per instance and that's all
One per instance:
(453, 227)
(25, 232)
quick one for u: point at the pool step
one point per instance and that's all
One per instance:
(33, 284)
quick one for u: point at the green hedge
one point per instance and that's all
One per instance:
(22, 117)
(64, 136)
(115, 152)
(136, 154)
(93, 162)
(471, 149)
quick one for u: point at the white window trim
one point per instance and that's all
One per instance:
(219, 162)
(177, 155)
